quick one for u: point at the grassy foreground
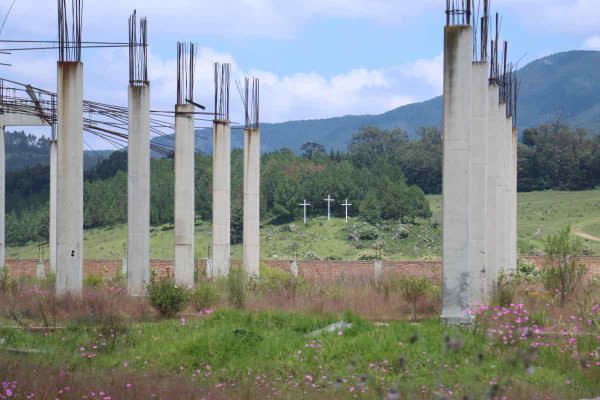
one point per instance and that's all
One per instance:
(540, 213)
(228, 352)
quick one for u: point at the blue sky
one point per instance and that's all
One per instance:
(316, 58)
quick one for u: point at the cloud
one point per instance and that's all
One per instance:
(592, 43)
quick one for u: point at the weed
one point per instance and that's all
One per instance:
(165, 296)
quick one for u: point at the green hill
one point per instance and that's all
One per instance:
(540, 213)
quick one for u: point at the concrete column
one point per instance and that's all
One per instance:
(252, 201)
(502, 225)
(492, 177)
(221, 223)
(456, 275)
(184, 194)
(69, 256)
(138, 191)
(378, 270)
(478, 194)
(514, 198)
(53, 206)
(2, 199)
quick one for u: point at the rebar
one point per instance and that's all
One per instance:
(222, 81)
(69, 30)
(186, 67)
(458, 12)
(138, 51)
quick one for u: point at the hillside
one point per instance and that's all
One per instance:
(565, 83)
(540, 213)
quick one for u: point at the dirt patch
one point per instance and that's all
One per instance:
(588, 237)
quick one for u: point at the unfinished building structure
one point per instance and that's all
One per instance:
(69, 226)
(251, 103)
(221, 194)
(184, 165)
(479, 162)
(138, 160)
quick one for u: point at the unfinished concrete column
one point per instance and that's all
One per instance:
(69, 256)
(252, 178)
(514, 197)
(53, 206)
(137, 263)
(252, 201)
(221, 194)
(492, 177)
(479, 169)
(138, 191)
(221, 228)
(456, 275)
(502, 225)
(184, 194)
(2, 199)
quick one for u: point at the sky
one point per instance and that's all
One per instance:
(315, 58)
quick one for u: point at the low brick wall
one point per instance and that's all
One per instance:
(310, 269)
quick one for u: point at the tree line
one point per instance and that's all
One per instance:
(383, 173)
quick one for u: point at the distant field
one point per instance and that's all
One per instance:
(540, 213)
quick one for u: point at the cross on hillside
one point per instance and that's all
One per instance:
(329, 200)
(305, 204)
(346, 204)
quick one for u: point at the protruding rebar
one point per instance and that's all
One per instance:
(186, 67)
(222, 79)
(138, 51)
(69, 30)
(458, 12)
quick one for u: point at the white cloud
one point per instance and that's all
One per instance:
(592, 43)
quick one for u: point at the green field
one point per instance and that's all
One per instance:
(540, 213)
(242, 354)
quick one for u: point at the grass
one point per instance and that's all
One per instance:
(249, 348)
(540, 213)
(116, 344)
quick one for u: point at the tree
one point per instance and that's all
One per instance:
(311, 150)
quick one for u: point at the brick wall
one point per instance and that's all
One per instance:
(311, 270)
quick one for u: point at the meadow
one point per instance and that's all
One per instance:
(540, 213)
(275, 343)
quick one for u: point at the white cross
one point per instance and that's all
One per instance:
(305, 204)
(329, 200)
(346, 204)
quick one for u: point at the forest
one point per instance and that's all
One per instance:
(383, 173)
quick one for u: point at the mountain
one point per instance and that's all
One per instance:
(565, 84)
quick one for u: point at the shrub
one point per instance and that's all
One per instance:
(237, 284)
(370, 255)
(503, 290)
(5, 282)
(368, 232)
(274, 280)
(204, 296)
(165, 296)
(413, 289)
(526, 269)
(563, 271)
(92, 281)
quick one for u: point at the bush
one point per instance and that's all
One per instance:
(165, 296)
(368, 232)
(274, 280)
(526, 269)
(92, 281)
(370, 255)
(5, 282)
(503, 290)
(413, 289)
(204, 296)
(563, 271)
(237, 283)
